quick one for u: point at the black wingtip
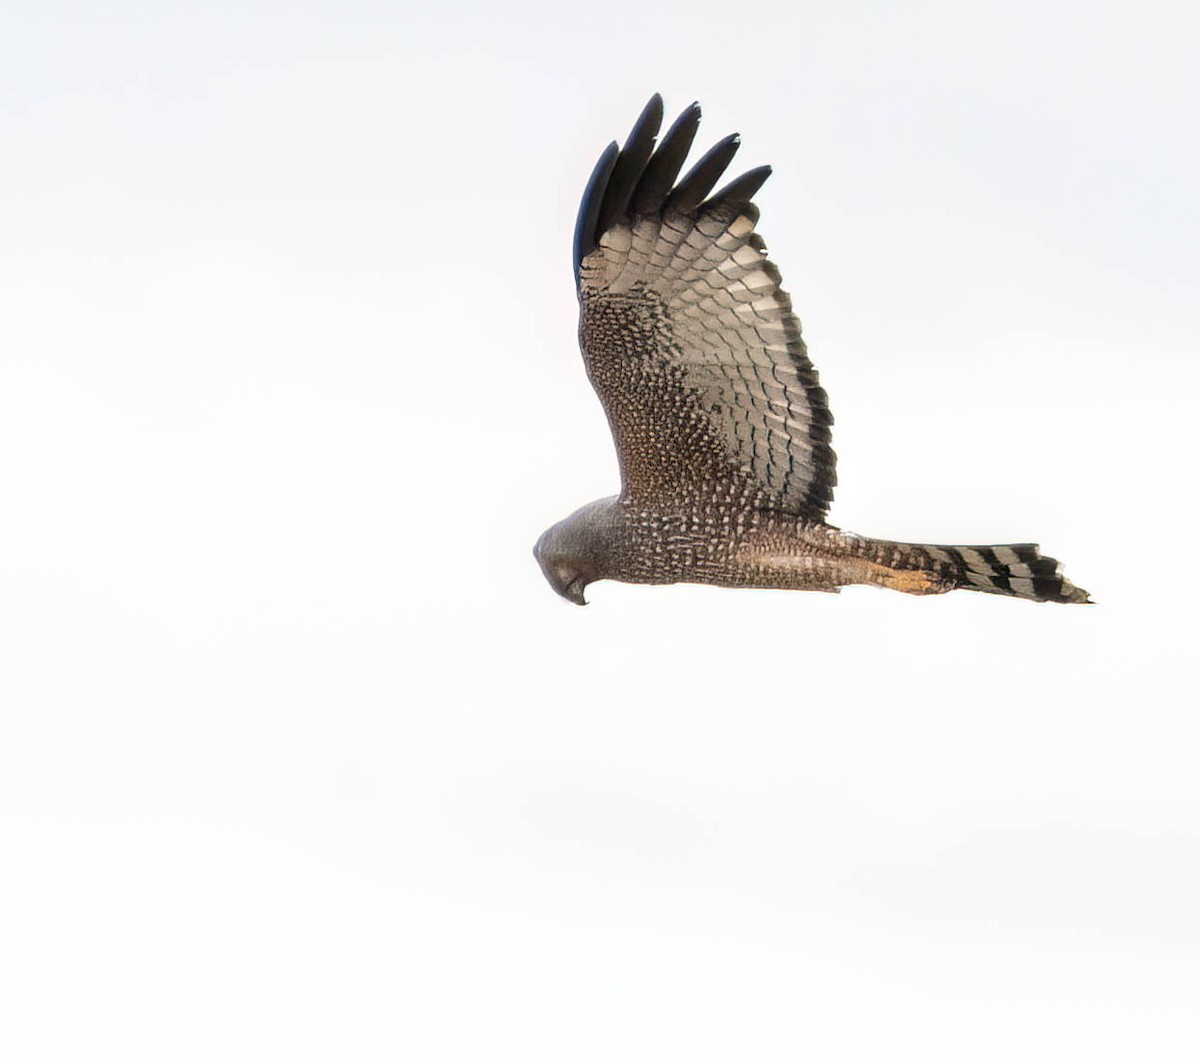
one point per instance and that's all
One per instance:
(630, 165)
(690, 191)
(647, 125)
(589, 206)
(638, 179)
(664, 166)
(742, 189)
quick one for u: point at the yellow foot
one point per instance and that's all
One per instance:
(914, 582)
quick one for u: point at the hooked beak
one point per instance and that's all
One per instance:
(574, 592)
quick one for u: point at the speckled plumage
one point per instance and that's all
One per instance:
(721, 427)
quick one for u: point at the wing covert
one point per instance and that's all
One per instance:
(687, 336)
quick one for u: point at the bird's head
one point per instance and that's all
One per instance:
(572, 552)
(563, 569)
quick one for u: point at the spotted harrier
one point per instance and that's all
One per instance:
(721, 426)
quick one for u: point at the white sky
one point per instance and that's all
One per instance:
(298, 752)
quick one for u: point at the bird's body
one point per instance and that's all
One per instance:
(735, 546)
(721, 426)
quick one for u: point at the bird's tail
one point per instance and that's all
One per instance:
(1020, 570)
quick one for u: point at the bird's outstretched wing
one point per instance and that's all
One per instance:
(687, 337)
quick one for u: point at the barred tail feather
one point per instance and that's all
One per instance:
(1019, 570)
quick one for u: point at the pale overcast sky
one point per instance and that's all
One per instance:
(299, 754)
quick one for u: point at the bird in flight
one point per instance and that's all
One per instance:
(721, 426)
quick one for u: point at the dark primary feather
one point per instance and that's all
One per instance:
(665, 163)
(702, 177)
(630, 165)
(586, 236)
(742, 189)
